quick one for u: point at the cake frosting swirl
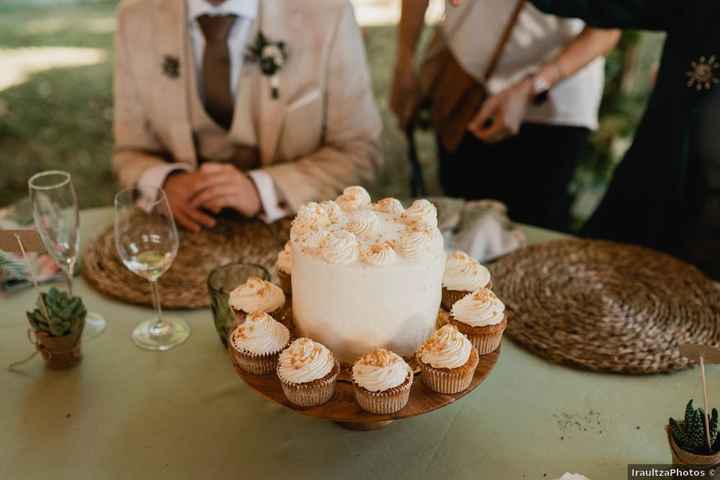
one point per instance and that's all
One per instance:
(304, 361)
(446, 348)
(464, 273)
(391, 206)
(256, 294)
(333, 211)
(284, 260)
(380, 370)
(381, 253)
(354, 198)
(339, 247)
(313, 214)
(414, 243)
(260, 334)
(479, 309)
(421, 211)
(363, 223)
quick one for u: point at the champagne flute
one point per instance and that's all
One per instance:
(147, 242)
(57, 221)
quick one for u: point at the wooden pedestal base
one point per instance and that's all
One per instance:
(364, 427)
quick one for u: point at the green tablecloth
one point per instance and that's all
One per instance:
(126, 413)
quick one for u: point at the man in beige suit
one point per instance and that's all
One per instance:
(198, 113)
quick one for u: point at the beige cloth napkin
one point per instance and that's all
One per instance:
(480, 228)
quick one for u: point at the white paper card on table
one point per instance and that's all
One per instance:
(573, 476)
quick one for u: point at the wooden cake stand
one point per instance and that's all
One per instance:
(344, 410)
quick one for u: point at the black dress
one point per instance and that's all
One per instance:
(661, 195)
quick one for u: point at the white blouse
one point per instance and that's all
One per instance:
(473, 30)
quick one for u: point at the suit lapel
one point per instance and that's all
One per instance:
(172, 92)
(272, 110)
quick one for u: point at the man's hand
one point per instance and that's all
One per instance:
(180, 189)
(501, 115)
(224, 186)
(404, 94)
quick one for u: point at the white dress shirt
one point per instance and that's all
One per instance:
(246, 12)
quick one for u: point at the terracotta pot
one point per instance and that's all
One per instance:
(60, 352)
(683, 457)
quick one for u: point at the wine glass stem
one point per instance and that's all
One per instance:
(159, 326)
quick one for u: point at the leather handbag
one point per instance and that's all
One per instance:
(450, 94)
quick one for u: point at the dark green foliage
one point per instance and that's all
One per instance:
(66, 314)
(689, 433)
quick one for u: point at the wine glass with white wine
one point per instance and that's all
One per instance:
(57, 221)
(147, 242)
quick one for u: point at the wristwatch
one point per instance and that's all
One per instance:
(540, 90)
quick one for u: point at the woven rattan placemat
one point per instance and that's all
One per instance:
(185, 284)
(605, 306)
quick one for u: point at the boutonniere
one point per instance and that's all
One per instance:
(271, 56)
(171, 66)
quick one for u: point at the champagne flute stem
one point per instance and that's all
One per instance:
(69, 281)
(158, 328)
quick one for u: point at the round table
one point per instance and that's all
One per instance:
(126, 413)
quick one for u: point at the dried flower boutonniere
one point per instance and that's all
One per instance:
(271, 56)
(171, 66)
(702, 73)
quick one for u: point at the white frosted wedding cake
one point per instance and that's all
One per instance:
(366, 275)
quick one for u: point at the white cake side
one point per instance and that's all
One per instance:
(366, 276)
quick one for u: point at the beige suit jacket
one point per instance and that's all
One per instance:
(319, 136)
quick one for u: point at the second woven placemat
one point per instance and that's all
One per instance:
(606, 306)
(185, 284)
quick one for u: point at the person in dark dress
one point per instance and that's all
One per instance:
(665, 194)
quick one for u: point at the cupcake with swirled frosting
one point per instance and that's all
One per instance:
(283, 268)
(463, 275)
(308, 373)
(382, 381)
(256, 295)
(481, 316)
(447, 361)
(256, 344)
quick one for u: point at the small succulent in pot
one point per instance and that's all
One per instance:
(58, 322)
(689, 437)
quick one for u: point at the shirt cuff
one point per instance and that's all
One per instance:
(154, 178)
(271, 199)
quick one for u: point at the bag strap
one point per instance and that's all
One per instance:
(504, 39)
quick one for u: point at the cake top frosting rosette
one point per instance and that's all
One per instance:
(354, 230)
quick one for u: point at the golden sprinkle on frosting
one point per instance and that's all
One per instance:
(380, 358)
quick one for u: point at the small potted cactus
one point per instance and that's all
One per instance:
(57, 323)
(689, 440)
